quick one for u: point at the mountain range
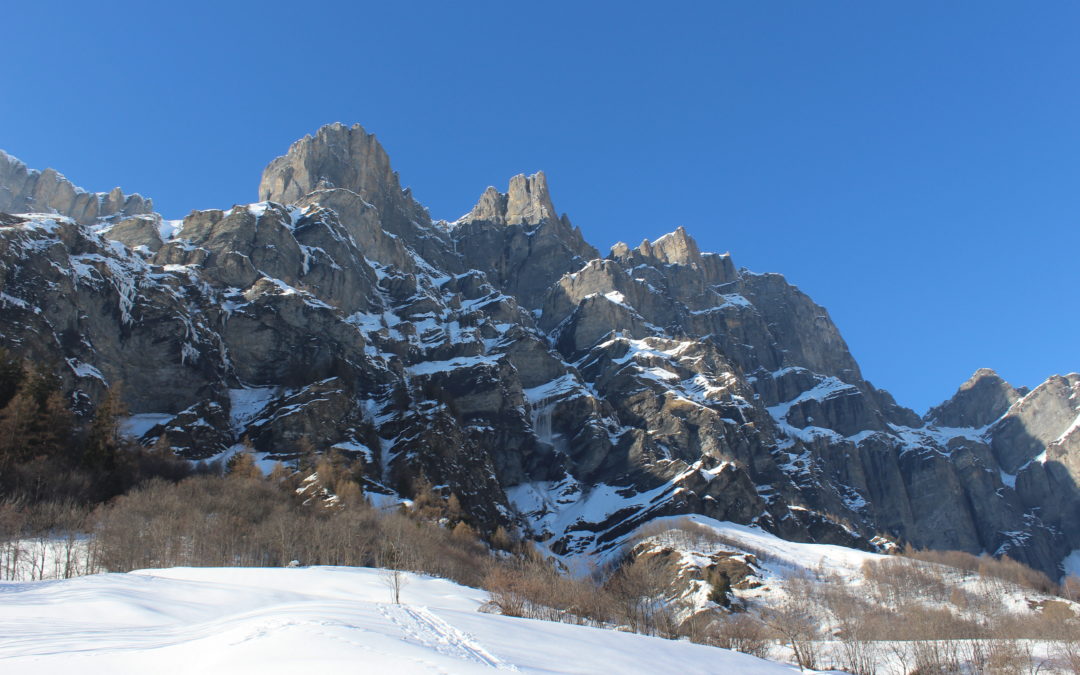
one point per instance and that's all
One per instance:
(571, 394)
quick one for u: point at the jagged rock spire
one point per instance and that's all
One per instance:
(526, 202)
(516, 238)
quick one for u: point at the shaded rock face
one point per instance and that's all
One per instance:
(978, 402)
(501, 359)
(139, 231)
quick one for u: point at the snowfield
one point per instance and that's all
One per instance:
(320, 619)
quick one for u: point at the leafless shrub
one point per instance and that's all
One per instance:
(743, 633)
(896, 579)
(1070, 588)
(796, 621)
(244, 520)
(1066, 654)
(395, 580)
(46, 540)
(1003, 657)
(529, 586)
(639, 588)
(506, 591)
(857, 628)
(1003, 569)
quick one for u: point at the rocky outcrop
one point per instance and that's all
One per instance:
(982, 399)
(1036, 421)
(519, 242)
(24, 190)
(526, 202)
(137, 232)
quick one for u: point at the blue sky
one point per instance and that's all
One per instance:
(912, 166)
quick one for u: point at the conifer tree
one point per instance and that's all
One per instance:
(12, 374)
(242, 465)
(16, 428)
(103, 439)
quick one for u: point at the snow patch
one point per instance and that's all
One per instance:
(136, 426)
(246, 404)
(431, 367)
(1071, 564)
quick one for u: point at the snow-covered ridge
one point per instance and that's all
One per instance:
(268, 620)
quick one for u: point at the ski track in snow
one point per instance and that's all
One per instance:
(424, 626)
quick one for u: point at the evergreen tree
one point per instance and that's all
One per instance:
(12, 374)
(36, 422)
(55, 428)
(103, 439)
(17, 428)
(242, 465)
(41, 382)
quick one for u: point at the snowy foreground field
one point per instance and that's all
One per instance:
(323, 620)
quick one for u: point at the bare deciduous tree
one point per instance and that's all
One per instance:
(796, 621)
(395, 580)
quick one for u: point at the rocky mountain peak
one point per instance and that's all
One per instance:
(337, 156)
(25, 190)
(983, 398)
(674, 248)
(339, 159)
(526, 202)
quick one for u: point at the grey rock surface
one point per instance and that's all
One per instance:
(25, 190)
(981, 400)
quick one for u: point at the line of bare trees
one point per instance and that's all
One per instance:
(48, 541)
(636, 596)
(241, 520)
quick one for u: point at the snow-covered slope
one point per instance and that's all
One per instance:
(326, 619)
(888, 583)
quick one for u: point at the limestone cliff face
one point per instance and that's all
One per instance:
(23, 190)
(335, 157)
(501, 358)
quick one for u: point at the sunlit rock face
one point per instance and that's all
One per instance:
(24, 190)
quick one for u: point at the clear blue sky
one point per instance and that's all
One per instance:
(913, 166)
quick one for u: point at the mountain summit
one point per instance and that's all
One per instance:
(526, 202)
